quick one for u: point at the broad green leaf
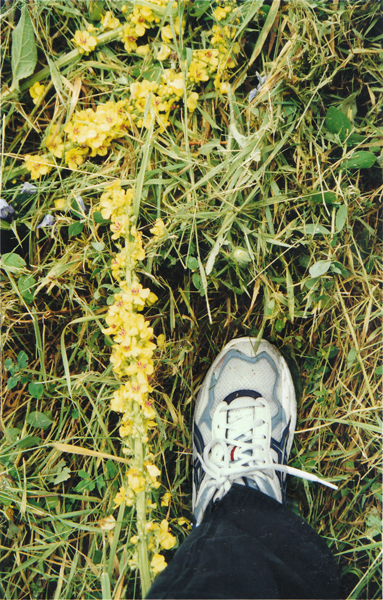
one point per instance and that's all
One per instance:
(8, 364)
(39, 420)
(351, 357)
(13, 381)
(360, 160)
(341, 218)
(29, 441)
(12, 262)
(312, 229)
(75, 228)
(22, 359)
(24, 51)
(98, 246)
(328, 197)
(337, 122)
(36, 390)
(192, 263)
(25, 285)
(320, 268)
(63, 476)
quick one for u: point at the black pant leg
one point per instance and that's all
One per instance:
(250, 546)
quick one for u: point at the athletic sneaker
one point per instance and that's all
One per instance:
(244, 424)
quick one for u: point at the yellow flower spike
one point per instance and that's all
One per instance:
(85, 41)
(37, 91)
(158, 563)
(37, 165)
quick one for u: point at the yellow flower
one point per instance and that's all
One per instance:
(55, 145)
(197, 71)
(192, 101)
(158, 229)
(161, 340)
(166, 499)
(37, 165)
(220, 13)
(108, 523)
(119, 226)
(136, 480)
(108, 21)
(84, 41)
(133, 539)
(75, 157)
(37, 91)
(60, 205)
(153, 471)
(143, 50)
(158, 563)
(166, 539)
(210, 57)
(120, 497)
(183, 521)
(166, 34)
(164, 52)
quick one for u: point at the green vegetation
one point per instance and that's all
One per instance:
(272, 214)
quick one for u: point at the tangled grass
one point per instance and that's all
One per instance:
(272, 215)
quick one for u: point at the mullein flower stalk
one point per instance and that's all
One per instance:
(132, 353)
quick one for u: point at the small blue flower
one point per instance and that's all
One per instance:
(6, 210)
(81, 204)
(28, 188)
(262, 79)
(48, 221)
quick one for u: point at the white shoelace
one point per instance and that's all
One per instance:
(248, 450)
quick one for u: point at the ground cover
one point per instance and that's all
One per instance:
(227, 157)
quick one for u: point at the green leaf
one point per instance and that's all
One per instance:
(328, 197)
(341, 218)
(12, 262)
(360, 160)
(337, 122)
(312, 229)
(8, 364)
(63, 476)
(320, 268)
(36, 390)
(192, 263)
(29, 441)
(98, 246)
(13, 381)
(22, 360)
(39, 420)
(75, 228)
(24, 51)
(25, 285)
